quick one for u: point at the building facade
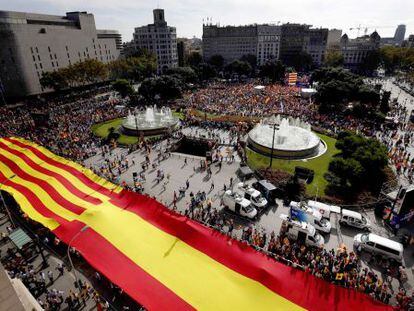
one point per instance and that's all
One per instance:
(316, 44)
(233, 42)
(31, 44)
(298, 38)
(158, 38)
(354, 51)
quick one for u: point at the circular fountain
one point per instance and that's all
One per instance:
(152, 121)
(293, 139)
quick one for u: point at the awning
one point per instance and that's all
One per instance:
(20, 238)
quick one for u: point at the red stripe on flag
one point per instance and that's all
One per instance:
(33, 199)
(67, 184)
(74, 208)
(120, 270)
(79, 175)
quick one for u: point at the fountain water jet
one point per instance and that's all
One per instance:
(293, 139)
(151, 121)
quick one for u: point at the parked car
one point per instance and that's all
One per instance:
(354, 219)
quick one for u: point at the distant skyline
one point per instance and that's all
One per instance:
(187, 15)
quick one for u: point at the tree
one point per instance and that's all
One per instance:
(166, 87)
(80, 73)
(334, 59)
(123, 87)
(337, 87)
(185, 74)
(194, 59)
(53, 80)
(205, 72)
(134, 68)
(359, 166)
(397, 58)
(370, 63)
(216, 61)
(238, 67)
(251, 59)
(302, 61)
(273, 70)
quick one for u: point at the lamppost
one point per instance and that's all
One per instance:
(4, 202)
(70, 259)
(273, 145)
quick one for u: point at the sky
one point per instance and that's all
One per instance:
(187, 15)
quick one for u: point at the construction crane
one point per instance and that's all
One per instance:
(365, 28)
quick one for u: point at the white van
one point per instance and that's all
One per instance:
(324, 209)
(253, 195)
(236, 203)
(302, 232)
(302, 212)
(376, 244)
(354, 219)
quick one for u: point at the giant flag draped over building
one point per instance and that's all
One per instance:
(163, 260)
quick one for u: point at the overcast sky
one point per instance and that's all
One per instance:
(187, 15)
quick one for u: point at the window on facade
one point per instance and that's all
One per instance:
(48, 48)
(38, 57)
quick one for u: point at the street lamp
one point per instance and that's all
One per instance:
(69, 246)
(4, 202)
(273, 145)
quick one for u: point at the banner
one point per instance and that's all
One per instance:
(161, 259)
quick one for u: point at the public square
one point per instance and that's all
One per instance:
(204, 164)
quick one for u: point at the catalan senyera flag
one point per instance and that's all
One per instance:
(292, 78)
(163, 260)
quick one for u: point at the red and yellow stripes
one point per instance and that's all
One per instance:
(163, 260)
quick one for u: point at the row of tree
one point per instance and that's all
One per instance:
(137, 68)
(340, 90)
(359, 167)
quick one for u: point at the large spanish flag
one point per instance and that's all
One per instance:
(163, 260)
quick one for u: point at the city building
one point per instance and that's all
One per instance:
(399, 34)
(316, 44)
(185, 47)
(233, 42)
(31, 44)
(334, 39)
(158, 38)
(355, 50)
(410, 41)
(398, 38)
(298, 38)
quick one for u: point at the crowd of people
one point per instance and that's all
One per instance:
(62, 126)
(67, 132)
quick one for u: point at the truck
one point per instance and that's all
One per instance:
(302, 232)
(253, 195)
(324, 209)
(268, 190)
(238, 204)
(302, 212)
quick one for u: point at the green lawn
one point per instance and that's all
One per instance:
(319, 165)
(102, 130)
